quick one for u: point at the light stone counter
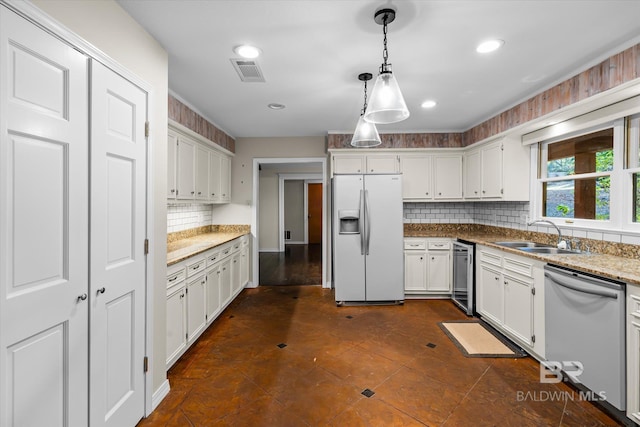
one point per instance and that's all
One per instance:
(183, 245)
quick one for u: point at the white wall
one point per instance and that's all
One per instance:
(268, 214)
(109, 28)
(294, 210)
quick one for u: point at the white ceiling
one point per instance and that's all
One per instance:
(313, 51)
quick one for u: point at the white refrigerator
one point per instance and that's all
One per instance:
(368, 238)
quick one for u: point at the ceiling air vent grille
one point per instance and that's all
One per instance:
(248, 70)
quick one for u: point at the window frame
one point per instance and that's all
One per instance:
(632, 145)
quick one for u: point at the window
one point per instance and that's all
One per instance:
(577, 182)
(633, 165)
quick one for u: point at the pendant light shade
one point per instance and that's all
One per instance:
(387, 103)
(366, 134)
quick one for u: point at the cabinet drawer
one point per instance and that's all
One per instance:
(415, 245)
(175, 277)
(236, 245)
(213, 257)
(518, 266)
(195, 267)
(225, 251)
(244, 240)
(439, 246)
(490, 258)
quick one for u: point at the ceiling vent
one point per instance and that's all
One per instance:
(248, 70)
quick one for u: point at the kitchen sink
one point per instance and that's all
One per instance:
(547, 250)
(523, 244)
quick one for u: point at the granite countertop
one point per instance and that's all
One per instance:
(611, 266)
(184, 246)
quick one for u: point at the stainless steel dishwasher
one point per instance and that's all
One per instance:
(584, 323)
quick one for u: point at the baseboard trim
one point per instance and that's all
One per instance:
(269, 250)
(160, 394)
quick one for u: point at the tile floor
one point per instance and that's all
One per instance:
(287, 356)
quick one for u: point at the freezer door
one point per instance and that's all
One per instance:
(348, 252)
(384, 237)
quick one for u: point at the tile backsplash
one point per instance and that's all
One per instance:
(185, 216)
(501, 214)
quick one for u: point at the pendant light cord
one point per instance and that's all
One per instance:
(385, 52)
(364, 108)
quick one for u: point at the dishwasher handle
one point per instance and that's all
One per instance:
(605, 294)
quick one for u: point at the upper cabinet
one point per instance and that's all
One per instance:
(196, 170)
(497, 171)
(447, 176)
(416, 176)
(386, 162)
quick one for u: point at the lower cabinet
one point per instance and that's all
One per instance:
(633, 352)
(510, 296)
(199, 289)
(427, 266)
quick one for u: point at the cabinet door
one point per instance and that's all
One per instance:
(202, 173)
(172, 146)
(225, 281)
(518, 308)
(348, 163)
(185, 176)
(416, 177)
(382, 163)
(196, 306)
(490, 293)
(215, 169)
(244, 266)
(225, 178)
(415, 271)
(492, 171)
(213, 292)
(439, 276)
(448, 176)
(633, 352)
(472, 176)
(235, 273)
(176, 323)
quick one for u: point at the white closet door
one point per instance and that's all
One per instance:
(44, 300)
(117, 284)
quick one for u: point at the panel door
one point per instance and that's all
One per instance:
(225, 178)
(118, 221)
(196, 306)
(416, 177)
(44, 301)
(225, 281)
(236, 277)
(492, 171)
(213, 291)
(490, 294)
(244, 266)
(439, 271)
(415, 271)
(518, 308)
(215, 165)
(314, 213)
(172, 147)
(448, 176)
(472, 177)
(185, 169)
(176, 323)
(202, 173)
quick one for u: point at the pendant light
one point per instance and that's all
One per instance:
(366, 134)
(387, 103)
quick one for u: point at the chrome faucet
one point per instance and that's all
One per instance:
(538, 221)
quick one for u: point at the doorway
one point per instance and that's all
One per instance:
(283, 253)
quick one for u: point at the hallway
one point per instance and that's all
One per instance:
(297, 265)
(287, 356)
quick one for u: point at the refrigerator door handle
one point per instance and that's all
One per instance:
(361, 223)
(367, 222)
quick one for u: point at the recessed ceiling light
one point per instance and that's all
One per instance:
(276, 106)
(489, 46)
(247, 51)
(429, 103)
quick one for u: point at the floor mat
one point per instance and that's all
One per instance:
(475, 339)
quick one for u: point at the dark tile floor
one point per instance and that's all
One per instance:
(240, 373)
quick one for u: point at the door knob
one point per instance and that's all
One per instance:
(101, 290)
(82, 297)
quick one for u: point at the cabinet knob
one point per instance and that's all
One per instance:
(199, 193)
(506, 282)
(439, 194)
(193, 192)
(82, 297)
(475, 192)
(497, 278)
(102, 290)
(427, 193)
(213, 194)
(173, 190)
(483, 191)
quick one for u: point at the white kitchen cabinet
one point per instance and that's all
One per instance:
(348, 163)
(201, 173)
(510, 296)
(633, 352)
(213, 285)
(172, 147)
(185, 160)
(382, 163)
(498, 170)
(236, 277)
(244, 261)
(226, 284)
(427, 266)
(439, 271)
(196, 306)
(176, 332)
(417, 175)
(447, 176)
